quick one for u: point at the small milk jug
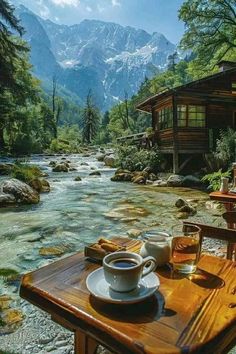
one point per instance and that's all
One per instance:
(158, 245)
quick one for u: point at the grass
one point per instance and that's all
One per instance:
(25, 173)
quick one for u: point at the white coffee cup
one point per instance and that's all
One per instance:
(123, 270)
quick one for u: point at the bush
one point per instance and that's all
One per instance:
(226, 146)
(214, 179)
(25, 173)
(133, 159)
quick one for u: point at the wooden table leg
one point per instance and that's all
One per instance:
(84, 344)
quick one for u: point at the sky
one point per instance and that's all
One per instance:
(150, 15)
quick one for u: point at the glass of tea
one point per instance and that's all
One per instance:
(185, 248)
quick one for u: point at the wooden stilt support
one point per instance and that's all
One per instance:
(175, 162)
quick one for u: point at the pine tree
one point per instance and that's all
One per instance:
(91, 119)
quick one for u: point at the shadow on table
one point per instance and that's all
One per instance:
(145, 311)
(200, 277)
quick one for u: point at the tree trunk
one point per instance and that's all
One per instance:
(2, 142)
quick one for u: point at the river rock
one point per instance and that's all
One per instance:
(84, 164)
(6, 199)
(78, 179)
(101, 157)
(160, 183)
(52, 163)
(5, 168)
(5, 301)
(180, 203)
(110, 160)
(21, 191)
(152, 177)
(182, 215)
(175, 181)
(53, 250)
(134, 233)
(41, 185)
(95, 173)
(139, 179)
(61, 167)
(188, 209)
(12, 316)
(191, 181)
(122, 177)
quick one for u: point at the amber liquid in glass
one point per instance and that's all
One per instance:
(185, 253)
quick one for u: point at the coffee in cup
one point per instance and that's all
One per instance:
(123, 270)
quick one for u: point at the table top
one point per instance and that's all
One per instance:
(188, 314)
(223, 197)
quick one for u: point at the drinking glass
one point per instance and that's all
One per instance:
(185, 248)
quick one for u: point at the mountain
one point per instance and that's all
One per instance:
(108, 58)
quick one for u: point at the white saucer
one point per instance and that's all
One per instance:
(99, 288)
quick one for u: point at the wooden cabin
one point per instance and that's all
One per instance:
(187, 119)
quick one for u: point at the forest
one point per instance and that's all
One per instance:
(33, 121)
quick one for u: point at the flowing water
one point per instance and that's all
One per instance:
(75, 214)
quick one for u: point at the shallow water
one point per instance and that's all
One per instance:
(75, 214)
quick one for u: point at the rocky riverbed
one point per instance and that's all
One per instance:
(60, 224)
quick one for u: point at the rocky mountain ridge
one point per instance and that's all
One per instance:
(108, 58)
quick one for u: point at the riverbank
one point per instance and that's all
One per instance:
(62, 221)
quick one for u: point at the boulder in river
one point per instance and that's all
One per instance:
(78, 179)
(175, 181)
(61, 167)
(95, 173)
(110, 160)
(21, 191)
(6, 199)
(41, 185)
(101, 157)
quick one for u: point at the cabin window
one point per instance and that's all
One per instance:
(191, 116)
(165, 118)
(234, 87)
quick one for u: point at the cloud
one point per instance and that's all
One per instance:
(88, 8)
(115, 3)
(64, 3)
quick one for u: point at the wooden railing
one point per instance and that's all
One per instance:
(135, 138)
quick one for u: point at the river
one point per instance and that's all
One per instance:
(72, 215)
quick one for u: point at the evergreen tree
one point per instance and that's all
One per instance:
(91, 120)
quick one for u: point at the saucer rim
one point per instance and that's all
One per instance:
(119, 301)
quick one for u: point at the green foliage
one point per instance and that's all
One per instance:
(133, 159)
(214, 179)
(69, 140)
(226, 146)
(25, 173)
(210, 28)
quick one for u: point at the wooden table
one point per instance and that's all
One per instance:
(189, 314)
(229, 201)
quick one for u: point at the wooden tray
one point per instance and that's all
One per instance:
(99, 253)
